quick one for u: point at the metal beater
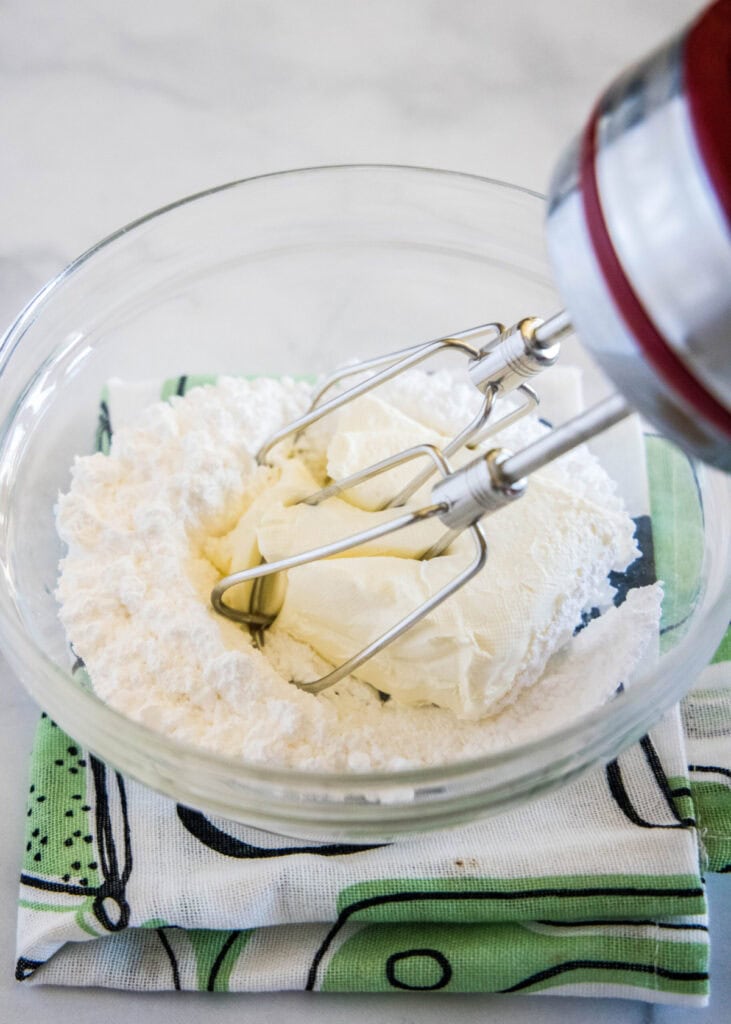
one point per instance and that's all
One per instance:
(639, 235)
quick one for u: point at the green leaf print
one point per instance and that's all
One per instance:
(216, 953)
(677, 519)
(512, 958)
(59, 841)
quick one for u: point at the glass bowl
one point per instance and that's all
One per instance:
(297, 272)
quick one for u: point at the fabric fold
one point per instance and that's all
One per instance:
(608, 900)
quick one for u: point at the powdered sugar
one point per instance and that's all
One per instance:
(134, 593)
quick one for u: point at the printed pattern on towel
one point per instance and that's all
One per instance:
(78, 851)
(706, 715)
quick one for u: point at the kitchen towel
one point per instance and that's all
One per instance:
(596, 890)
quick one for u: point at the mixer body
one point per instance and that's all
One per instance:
(639, 236)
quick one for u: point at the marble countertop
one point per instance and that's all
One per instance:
(112, 109)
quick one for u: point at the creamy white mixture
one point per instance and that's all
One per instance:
(179, 501)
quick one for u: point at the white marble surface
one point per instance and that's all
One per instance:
(111, 109)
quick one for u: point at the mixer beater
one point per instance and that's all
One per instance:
(639, 234)
(463, 496)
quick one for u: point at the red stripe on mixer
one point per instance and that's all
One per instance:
(657, 351)
(707, 82)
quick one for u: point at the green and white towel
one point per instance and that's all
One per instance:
(595, 891)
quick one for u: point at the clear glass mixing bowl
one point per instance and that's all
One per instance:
(294, 273)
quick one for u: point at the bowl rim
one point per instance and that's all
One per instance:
(27, 313)
(633, 711)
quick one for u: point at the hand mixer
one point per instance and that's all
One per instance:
(639, 238)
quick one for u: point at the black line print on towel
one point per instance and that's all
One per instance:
(422, 953)
(218, 962)
(112, 892)
(640, 573)
(552, 893)
(78, 662)
(607, 965)
(25, 967)
(202, 828)
(207, 966)
(114, 851)
(712, 769)
(170, 953)
(619, 790)
(104, 431)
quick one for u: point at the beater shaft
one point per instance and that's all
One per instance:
(553, 329)
(561, 439)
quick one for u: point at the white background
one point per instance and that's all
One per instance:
(110, 109)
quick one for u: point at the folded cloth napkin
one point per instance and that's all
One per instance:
(594, 891)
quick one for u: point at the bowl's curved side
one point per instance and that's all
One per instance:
(377, 255)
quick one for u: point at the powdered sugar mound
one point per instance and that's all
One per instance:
(142, 524)
(452, 403)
